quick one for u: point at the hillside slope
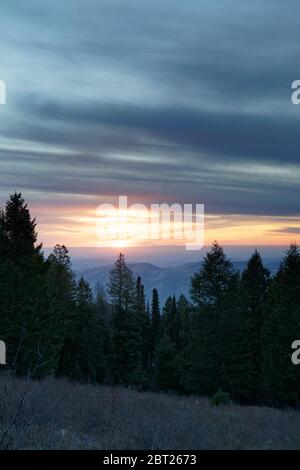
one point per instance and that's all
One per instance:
(61, 415)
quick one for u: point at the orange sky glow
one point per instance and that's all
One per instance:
(79, 227)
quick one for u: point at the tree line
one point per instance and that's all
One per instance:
(233, 336)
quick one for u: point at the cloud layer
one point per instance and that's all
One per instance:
(176, 101)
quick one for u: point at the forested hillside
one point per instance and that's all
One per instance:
(232, 340)
(168, 280)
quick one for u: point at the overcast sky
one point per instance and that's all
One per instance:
(170, 100)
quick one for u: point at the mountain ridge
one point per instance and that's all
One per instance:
(169, 280)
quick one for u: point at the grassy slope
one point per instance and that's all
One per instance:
(57, 414)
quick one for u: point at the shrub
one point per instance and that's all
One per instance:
(221, 398)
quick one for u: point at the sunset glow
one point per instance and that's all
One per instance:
(79, 227)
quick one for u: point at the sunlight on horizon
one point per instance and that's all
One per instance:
(78, 227)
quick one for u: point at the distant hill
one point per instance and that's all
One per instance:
(168, 280)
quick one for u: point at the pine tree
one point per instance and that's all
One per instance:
(155, 324)
(148, 309)
(166, 351)
(184, 331)
(170, 320)
(121, 286)
(255, 281)
(87, 350)
(8, 281)
(12, 331)
(103, 324)
(62, 290)
(184, 312)
(126, 336)
(61, 282)
(102, 304)
(165, 367)
(217, 356)
(28, 329)
(142, 324)
(280, 377)
(173, 336)
(4, 255)
(20, 230)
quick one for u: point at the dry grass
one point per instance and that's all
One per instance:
(57, 414)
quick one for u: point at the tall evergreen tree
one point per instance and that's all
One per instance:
(184, 332)
(255, 281)
(170, 320)
(165, 352)
(27, 327)
(148, 309)
(165, 371)
(184, 313)
(142, 324)
(88, 338)
(103, 324)
(4, 255)
(126, 335)
(121, 286)
(102, 304)
(218, 355)
(62, 291)
(155, 323)
(280, 377)
(61, 281)
(20, 230)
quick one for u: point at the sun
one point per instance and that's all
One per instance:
(119, 243)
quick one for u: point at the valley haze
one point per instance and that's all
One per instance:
(169, 269)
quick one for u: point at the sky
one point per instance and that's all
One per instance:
(163, 101)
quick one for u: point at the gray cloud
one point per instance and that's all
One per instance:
(175, 99)
(292, 230)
